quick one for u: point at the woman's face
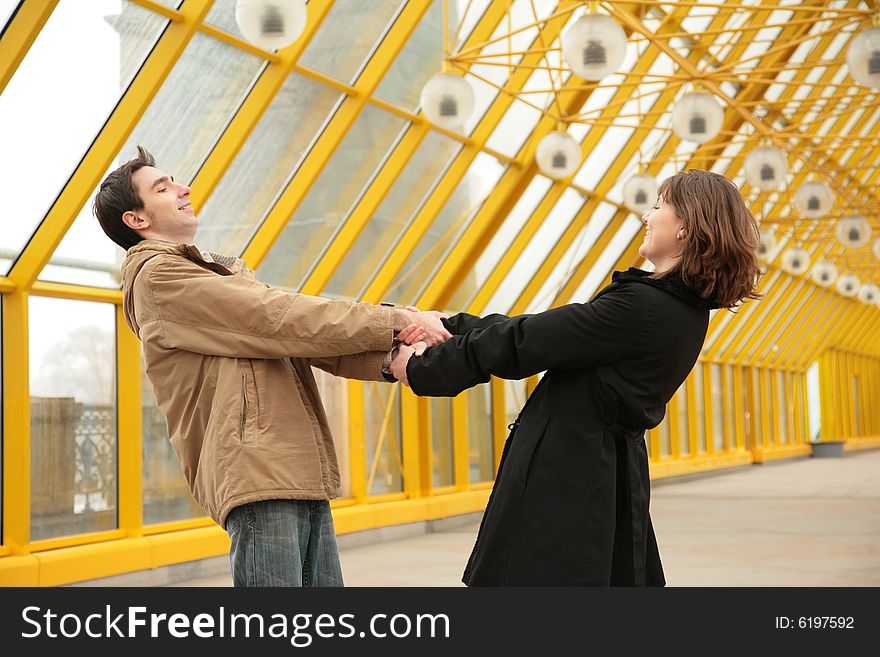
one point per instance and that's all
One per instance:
(661, 244)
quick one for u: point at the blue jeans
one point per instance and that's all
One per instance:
(283, 543)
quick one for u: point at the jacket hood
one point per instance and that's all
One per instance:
(673, 284)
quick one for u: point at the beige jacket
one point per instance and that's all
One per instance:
(229, 361)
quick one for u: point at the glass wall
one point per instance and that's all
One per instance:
(481, 454)
(718, 417)
(72, 352)
(382, 434)
(698, 383)
(681, 403)
(442, 461)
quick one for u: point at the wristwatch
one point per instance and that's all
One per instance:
(386, 364)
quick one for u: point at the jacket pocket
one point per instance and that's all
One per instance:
(250, 407)
(244, 407)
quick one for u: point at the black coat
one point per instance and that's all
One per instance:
(570, 502)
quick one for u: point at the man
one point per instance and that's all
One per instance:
(229, 360)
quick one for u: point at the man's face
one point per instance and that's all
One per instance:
(167, 213)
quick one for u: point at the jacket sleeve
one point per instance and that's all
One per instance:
(570, 337)
(193, 309)
(463, 322)
(366, 366)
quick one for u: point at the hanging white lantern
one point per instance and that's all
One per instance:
(876, 248)
(824, 274)
(848, 285)
(558, 154)
(697, 117)
(448, 100)
(271, 24)
(594, 47)
(863, 58)
(766, 167)
(853, 232)
(814, 199)
(640, 192)
(795, 261)
(869, 293)
(766, 244)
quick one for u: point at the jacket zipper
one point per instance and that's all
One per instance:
(244, 406)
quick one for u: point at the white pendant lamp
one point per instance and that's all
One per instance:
(863, 57)
(448, 100)
(271, 24)
(795, 261)
(640, 192)
(853, 232)
(558, 155)
(766, 167)
(697, 117)
(824, 274)
(814, 199)
(594, 46)
(869, 293)
(848, 285)
(766, 244)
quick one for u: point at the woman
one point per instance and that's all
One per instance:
(570, 502)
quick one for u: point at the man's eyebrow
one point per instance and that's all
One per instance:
(160, 181)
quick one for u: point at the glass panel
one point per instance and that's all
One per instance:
(607, 261)
(418, 177)
(265, 164)
(480, 449)
(179, 128)
(7, 9)
(36, 108)
(166, 494)
(782, 403)
(445, 229)
(500, 242)
(536, 251)
(757, 437)
(331, 197)
(357, 24)
(2, 395)
(769, 388)
(681, 408)
(383, 438)
(222, 15)
(718, 417)
(419, 59)
(813, 401)
(333, 394)
(441, 442)
(665, 440)
(700, 403)
(72, 355)
(576, 252)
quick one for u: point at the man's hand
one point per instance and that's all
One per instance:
(412, 334)
(429, 321)
(404, 353)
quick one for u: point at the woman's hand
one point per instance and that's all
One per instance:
(404, 353)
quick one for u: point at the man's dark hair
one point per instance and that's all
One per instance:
(116, 196)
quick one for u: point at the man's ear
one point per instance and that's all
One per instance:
(134, 222)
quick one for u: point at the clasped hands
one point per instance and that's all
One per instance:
(422, 329)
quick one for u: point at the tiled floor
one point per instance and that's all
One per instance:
(807, 522)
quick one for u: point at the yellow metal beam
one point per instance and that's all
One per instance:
(130, 428)
(16, 424)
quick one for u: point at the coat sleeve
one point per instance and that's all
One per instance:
(463, 322)
(365, 366)
(193, 309)
(572, 336)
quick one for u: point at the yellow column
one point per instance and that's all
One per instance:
(130, 433)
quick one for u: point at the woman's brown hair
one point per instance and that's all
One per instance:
(719, 252)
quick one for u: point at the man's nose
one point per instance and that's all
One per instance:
(185, 191)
